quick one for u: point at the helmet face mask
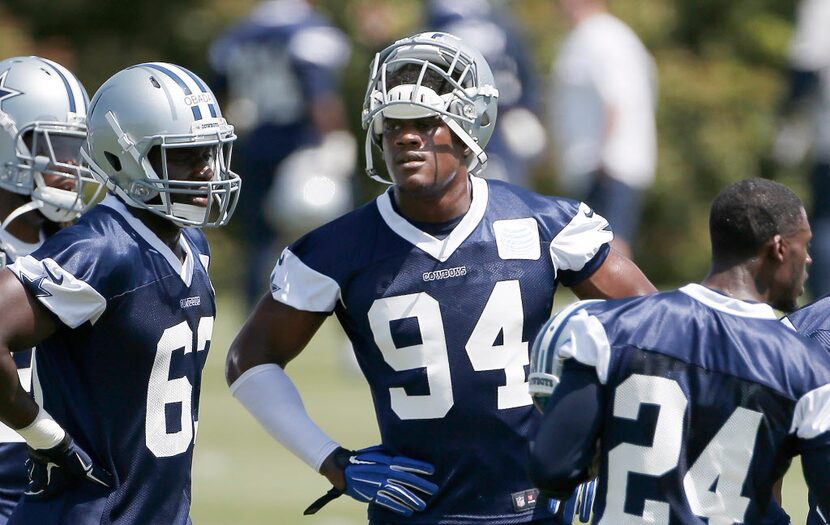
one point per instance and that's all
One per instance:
(467, 102)
(51, 162)
(172, 195)
(43, 126)
(162, 107)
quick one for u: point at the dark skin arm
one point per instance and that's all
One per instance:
(24, 323)
(816, 464)
(276, 333)
(617, 277)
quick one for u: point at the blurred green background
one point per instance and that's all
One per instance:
(721, 74)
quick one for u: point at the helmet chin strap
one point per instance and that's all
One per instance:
(479, 157)
(370, 165)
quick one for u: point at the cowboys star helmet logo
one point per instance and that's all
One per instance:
(6, 92)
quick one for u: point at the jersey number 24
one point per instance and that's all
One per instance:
(712, 485)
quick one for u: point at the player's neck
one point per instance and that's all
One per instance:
(444, 206)
(25, 228)
(168, 232)
(738, 281)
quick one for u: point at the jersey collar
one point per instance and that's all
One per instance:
(729, 305)
(440, 249)
(183, 270)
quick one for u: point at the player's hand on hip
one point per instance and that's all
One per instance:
(579, 504)
(53, 470)
(373, 476)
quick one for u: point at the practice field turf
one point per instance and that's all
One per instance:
(242, 476)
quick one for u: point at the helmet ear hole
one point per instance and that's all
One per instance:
(113, 160)
(485, 120)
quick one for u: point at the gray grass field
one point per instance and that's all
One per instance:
(242, 476)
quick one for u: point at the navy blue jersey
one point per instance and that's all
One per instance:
(707, 399)
(123, 370)
(440, 328)
(813, 321)
(13, 452)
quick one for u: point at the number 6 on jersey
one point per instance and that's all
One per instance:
(163, 391)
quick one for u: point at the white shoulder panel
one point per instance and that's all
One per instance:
(72, 300)
(812, 413)
(579, 240)
(295, 284)
(584, 339)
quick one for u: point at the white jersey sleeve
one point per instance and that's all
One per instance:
(70, 298)
(580, 240)
(299, 286)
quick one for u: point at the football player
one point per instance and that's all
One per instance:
(121, 309)
(42, 185)
(813, 321)
(439, 283)
(694, 400)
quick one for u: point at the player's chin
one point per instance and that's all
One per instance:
(415, 181)
(787, 305)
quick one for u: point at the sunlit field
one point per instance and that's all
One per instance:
(242, 476)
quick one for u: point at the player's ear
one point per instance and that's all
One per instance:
(776, 248)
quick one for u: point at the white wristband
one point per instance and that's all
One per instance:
(271, 397)
(42, 433)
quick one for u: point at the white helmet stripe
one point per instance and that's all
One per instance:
(200, 105)
(75, 92)
(164, 68)
(203, 88)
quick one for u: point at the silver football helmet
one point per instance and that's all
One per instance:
(469, 109)
(42, 126)
(164, 106)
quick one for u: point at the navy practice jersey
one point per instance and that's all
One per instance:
(13, 452)
(706, 401)
(440, 329)
(813, 321)
(123, 370)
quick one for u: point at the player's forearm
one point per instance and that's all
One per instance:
(17, 409)
(271, 397)
(816, 466)
(563, 450)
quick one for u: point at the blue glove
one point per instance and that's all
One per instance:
(372, 476)
(580, 502)
(53, 470)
